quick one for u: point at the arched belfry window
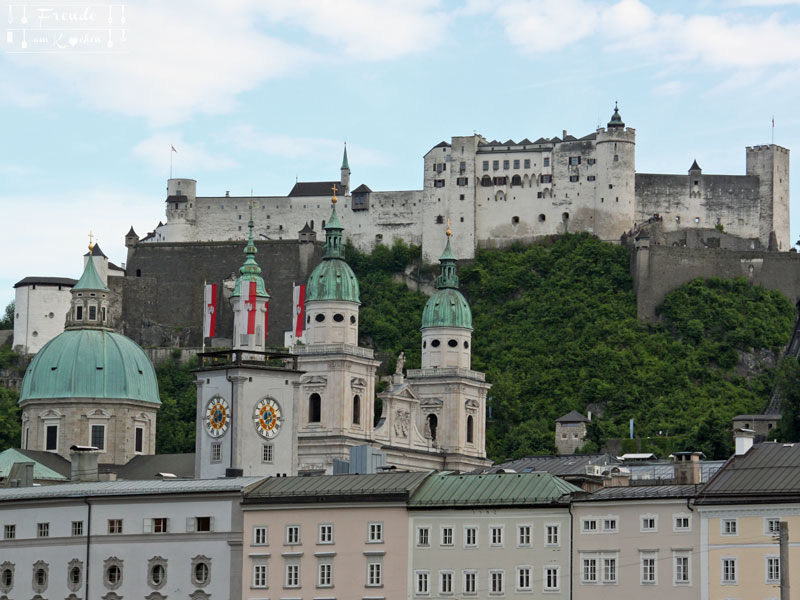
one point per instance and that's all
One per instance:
(356, 410)
(470, 430)
(314, 408)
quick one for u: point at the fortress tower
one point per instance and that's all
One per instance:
(615, 193)
(181, 212)
(771, 165)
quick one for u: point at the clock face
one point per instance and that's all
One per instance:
(217, 417)
(267, 418)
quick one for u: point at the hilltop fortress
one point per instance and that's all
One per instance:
(496, 193)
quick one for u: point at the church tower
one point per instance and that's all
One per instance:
(345, 173)
(336, 397)
(249, 301)
(452, 397)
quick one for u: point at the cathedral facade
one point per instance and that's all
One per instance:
(261, 412)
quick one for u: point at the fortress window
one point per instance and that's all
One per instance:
(461, 196)
(516, 163)
(590, 178)
(462, 219)
(486, 181)
(319, 318)
(352, 320)
(546, 161)
(280, 227)
(611, 186)
(501, 180)
(378, 237)
(539, 195)
(486, 165)
(591, 161)
(462, 181)
(435, 343)
(516, 180)
(574, 161)
(452, 343)
(138, 272)
(240, 217)
(438, 183)
(462, 166)
(573, 178)
(506, 164)
(546, 179)
(356, 410)
(439, 219)
(495, 165)
(515, 220)
(542, 218)
(314, 408)
(470, 428)
(677, 219)
(338, 317)
(527, 163)
(697, 219)
(565, 217)
(616, 157)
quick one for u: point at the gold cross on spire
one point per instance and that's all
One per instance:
(448, 232)
(334, 199)
(91, 244)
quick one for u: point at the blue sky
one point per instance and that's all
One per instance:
(256, 93)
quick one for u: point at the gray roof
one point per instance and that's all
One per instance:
(641, 492)
(315, 188)
(46, 281)
(95, 251)
(331, 488)
(572, 416)
(756, 418)
(127, 488)
(567, 464)
(767, 472)
(362, 189)
(51, 460)
(148, 466)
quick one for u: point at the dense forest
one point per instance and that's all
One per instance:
(555, 329)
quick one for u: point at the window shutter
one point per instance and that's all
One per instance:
(212, 524)
(169, 527)
(189, 524)
(148, 525)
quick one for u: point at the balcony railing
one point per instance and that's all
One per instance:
(271, 357)
(334, 349)
(446, 372)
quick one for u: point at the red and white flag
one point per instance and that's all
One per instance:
(210, 312)
(247, 323)
(266, 318)
(299, 301)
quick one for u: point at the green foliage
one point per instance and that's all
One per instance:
(9, 419)
(176, 417)
(7, 320)
(8, 358)
(788, 387)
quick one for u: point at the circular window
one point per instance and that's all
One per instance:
(338, 317)
(114, 574)
(35, 334)
(435, 343)
(319, 318)
(452, 343)
(201, 572)
(466, 345)
(352, 320)
(157, 574)
(51, 315)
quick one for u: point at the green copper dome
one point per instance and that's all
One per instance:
(90, 280)
(333, 279)
(91, 363)
(447, 307)
(250, 271)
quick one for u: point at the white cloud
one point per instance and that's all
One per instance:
(669, 88)
(14, 94)
(537, 26)
(156, 151)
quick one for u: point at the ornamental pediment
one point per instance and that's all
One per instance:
(472, 404)
(431, 403)
(314, 380)
(358, 382)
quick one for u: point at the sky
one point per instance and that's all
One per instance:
(256, 93)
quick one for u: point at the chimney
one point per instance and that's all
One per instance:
(20, 475)
(743, 438)
(84, 463)
(687, 467)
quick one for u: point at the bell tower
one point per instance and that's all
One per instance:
(249, 301)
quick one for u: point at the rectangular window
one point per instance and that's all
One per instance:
(589, 526)
(496, 583)
(729, 575)
(486, 165)
(772, 526)
(260, 536)
(92, 313)
(495, 165)
(729, 527)
(447, 536)
(681, 562)
(506, 164)
(470, 537)
(138, 444)
(9, 532)
(516, 163)
(51, 434)
(374, 575)
(267, 453)
(574, 161)
(202, 523)
(462, 166)
(375, 532)
(541, 195)
(438, 183)
(497, 535)
(325, 575)
(546, 178)
(98, 437)
(79, 313)
(591, 161)
(160, 525)
(524, 535)
(259, 576)
(445, 582)
(589, 570)
(590, 178)
(609, 570)
(422, 583)
(546, 162)
(423, 536)
(527, 163)
(292, 534)
(773, 569)
(326, 534)
(292, 576)
(682, 523)
(470, 582)
(551, 579)
(573, 178)
(610, 524)
(648, 523)
(77, 528)
(115, 526)
(648, 564)
(462, 180)
(551, 537)
(216, 452)
(523, 578)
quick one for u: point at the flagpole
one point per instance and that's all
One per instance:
(170, 162)
(773, 130)
(205, 308)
